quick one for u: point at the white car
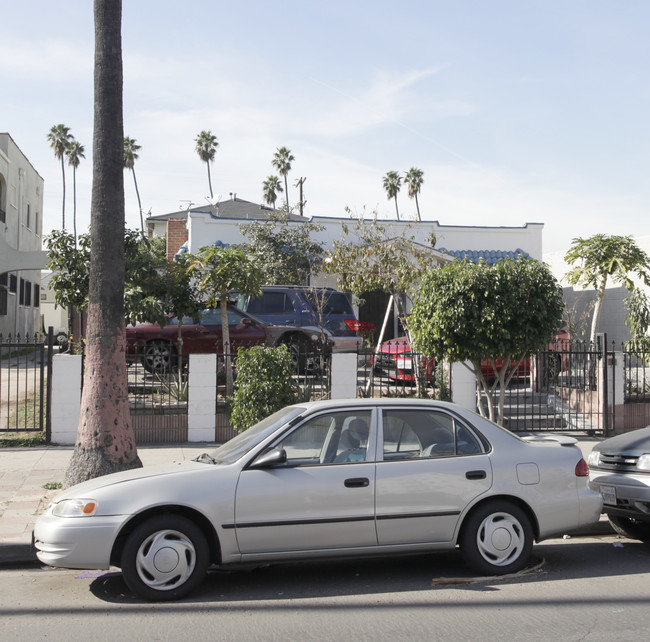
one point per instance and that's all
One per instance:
(326, 479)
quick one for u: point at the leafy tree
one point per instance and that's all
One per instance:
(392, 185)
(206, 148)
(467, 312)
(602, 257)
(75, 152)
(284, 251)
(264, 384)
(59, 138)
(414, 179)
(374, 259)
(271, 187)
(105, 440)
(131, 148)
(637, 316)
(69, 262)
(282, 162)
(217, 271)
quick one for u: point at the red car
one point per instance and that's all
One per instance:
(395, 360)
(157, 347)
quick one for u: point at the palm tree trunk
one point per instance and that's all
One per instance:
(74, 204)
(105, 439)
(63, 208)
(396, 210)
(209, 179)
(417, 206)
(286, 191)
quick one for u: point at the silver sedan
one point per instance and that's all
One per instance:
(326, 479)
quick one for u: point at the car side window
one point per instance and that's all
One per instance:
(211, 316)
(426, 434)
(330, 438)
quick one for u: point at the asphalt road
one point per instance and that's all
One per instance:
(585, 588)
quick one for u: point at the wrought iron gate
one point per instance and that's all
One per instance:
(25, 383)
(567, 389)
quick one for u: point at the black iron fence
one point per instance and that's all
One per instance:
(636, 360)
(395, 370)
(25, 382)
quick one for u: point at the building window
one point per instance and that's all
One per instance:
(21, 292)
(28, 217)
(28, 293)
(13, 283)
(3, 301)
(37, 295)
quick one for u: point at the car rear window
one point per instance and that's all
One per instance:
(329, 302)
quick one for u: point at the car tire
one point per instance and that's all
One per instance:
(165, 558)
(630, 527)
(61, 339)
(158, 357)
(301, 350)
(496, 539)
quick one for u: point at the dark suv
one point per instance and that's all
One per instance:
(323, 310)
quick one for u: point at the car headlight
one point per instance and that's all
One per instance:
(75, 508)
(643, 463)
(594, 459)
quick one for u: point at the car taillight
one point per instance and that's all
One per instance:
(360, 326)
(582, 470)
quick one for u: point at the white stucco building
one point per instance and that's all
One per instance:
(21, 258)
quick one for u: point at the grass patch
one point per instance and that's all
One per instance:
(53, 486)
(23, 440)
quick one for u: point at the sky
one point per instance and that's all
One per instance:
(516, 110)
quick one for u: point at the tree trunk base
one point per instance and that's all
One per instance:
(87, 464)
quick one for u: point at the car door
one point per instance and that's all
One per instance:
(432, 466)
(321, 498)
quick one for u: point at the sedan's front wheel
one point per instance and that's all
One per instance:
(165, 558)
(497, 539)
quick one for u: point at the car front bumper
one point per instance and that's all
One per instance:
(624, 495)
(76, 542)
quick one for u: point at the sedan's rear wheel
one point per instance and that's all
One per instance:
(157, 357)
(497, 539)
(630, 527)
(165, 558)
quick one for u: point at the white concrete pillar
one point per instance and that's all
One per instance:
(344, 375)
(463, 386)
(202, 397)
(66, 398)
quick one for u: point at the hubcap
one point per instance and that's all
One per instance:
(500, 539)
(165, 560)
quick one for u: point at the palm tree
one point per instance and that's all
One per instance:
(105, 438)
(414, 179)
(282, 162)
(271, 187)
(74, 152)
(206, 148)
(59, 138)
(130, 156)
(392, 184)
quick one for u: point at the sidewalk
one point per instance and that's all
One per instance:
(24, 472)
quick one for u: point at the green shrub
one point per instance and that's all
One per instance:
(264, 384)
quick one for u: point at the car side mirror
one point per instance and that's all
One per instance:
(271, 457)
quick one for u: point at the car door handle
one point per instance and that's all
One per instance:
(476, 474)
(356, 482)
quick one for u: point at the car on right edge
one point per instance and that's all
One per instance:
(619, 468)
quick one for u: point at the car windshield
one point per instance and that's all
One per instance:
(238, 446)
